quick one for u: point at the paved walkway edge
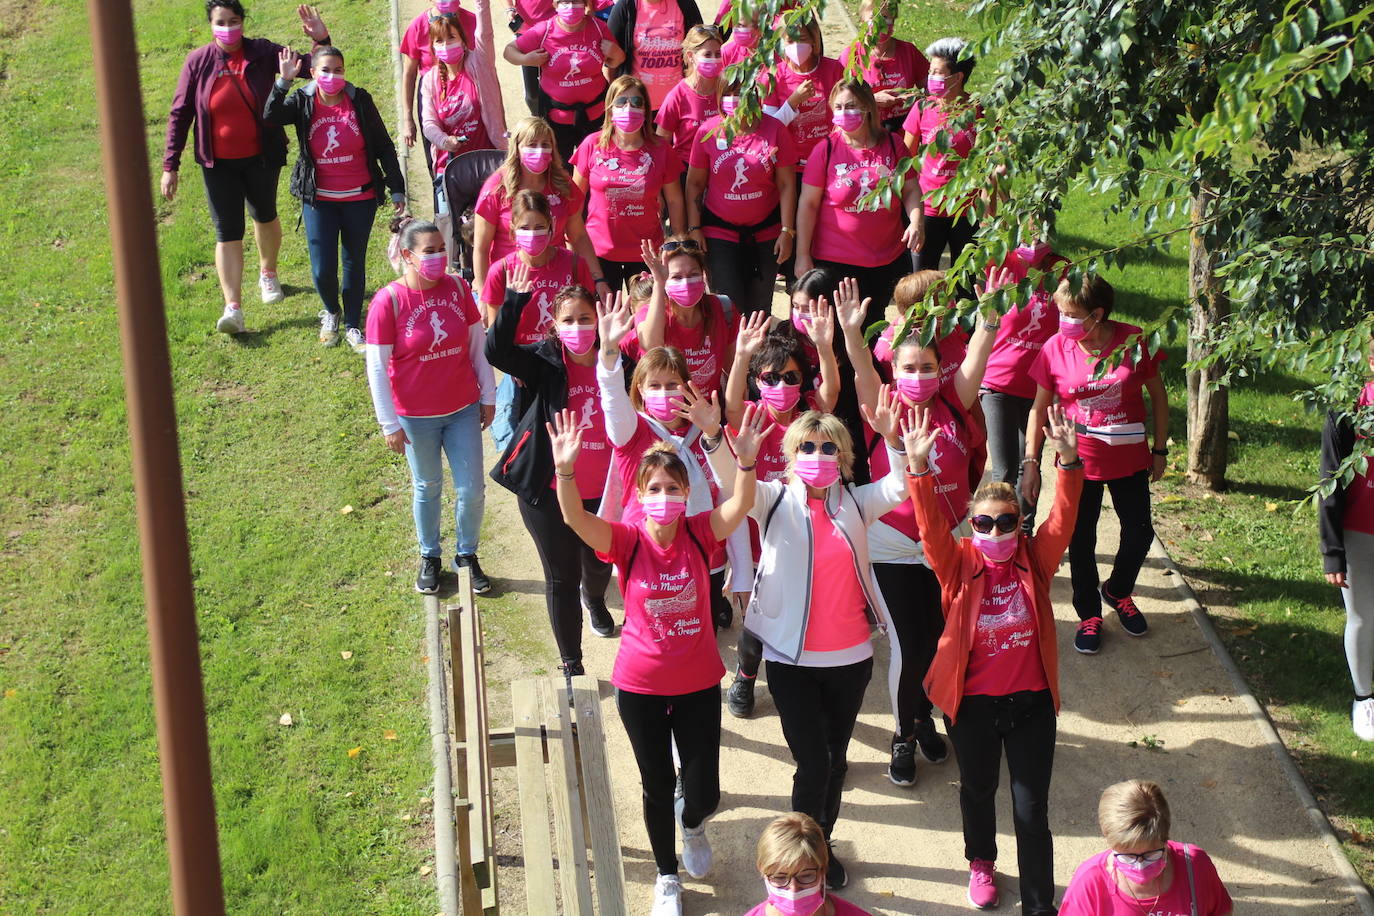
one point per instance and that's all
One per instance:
(1354, 885)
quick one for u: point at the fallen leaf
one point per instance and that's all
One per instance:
(11, 694)
(1209, 783)
(425, 870)
(887, 894)
(286, 719)
(345, 655)
(1357, 837)
(355, 751)
(424, 659)
(1233, 435)
(345, 510)
(1271, 507)
(1207, 536)
(389, 734)
(1164, 674)
(1244, 631)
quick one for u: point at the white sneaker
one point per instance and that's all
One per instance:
(231, 322)
(696, 848)
(270, 287)
(329, 327)
(1362, 719)
(355, 340)
(667, 896)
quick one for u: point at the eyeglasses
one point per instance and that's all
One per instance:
(790, 377)
(807, 878)
(685, 245)
(628, 101)
(827, 448)
(1144, 858)
(1006, 522)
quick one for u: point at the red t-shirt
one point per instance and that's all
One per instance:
(812, 123)
(1005, 657)
(336, 145)
(925, 122)
(537, 316)
(741, 174)
(431, 367)
(573, 74)
(1022, 333)
(657, 57)
(494, 207)
(705, 352)
(846, 230)
(623, 203)
(1359, 496)
(682, 112)
(835, 619)
(1094, 892)
(905, 68)
(416, 43)
(233, 113)
(458, 105)
(584, 400)
(1112, 407)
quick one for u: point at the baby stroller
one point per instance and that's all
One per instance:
(463, 178)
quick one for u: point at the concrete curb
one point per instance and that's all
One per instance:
(445, 842)
(1354, 886)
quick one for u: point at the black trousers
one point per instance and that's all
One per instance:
(618, 273)
(944, 232)
(654, 724)
(875, 283)
(1131, 500)
(1006, 416)
(912, 594)
(568, 565)
(744, 271)
(1023, 725)
(749, 651)
(818, 708)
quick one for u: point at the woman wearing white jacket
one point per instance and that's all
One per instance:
(815, 602)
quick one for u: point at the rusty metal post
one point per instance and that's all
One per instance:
(183, 743)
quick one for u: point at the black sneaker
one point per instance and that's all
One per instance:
(902, 769)
(1088, 639)
(929, 742)
(599, 616)
(723, 612)
(740, 699)
(572, 667)
(480, 583)
(1132, 621)
(835, 875)
(427, 582)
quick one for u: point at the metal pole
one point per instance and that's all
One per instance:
(189, 805)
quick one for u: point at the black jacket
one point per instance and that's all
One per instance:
(526, 467)
(1338, 441)
(299, 109)
(625, 14)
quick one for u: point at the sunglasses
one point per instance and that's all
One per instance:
(1006, 523)
(790, 377)
(806, 878)
(628, 101)
(685, 245)
(712, 30)
(827, 448)
(1145, 858)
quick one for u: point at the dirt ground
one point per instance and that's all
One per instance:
(1159, 707)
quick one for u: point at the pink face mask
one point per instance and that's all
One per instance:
(782, 397)
(729, 104)
(1072, 328)
(685, 291)
(571, 13)
(662, 405)
(796, 903)
(532, 241)
(627, 118)
(228, 36)
(536, 158)
(917, 387)
(1032, 254)
(330, 83)
(847, 119)
(936, 85)
(578, 338)
(817, 470)
(744, 35)
(663, 508)
(710, 67)
(800, 321)
(797, 52)
(446, 6)
(1140, 872)
(432, 266)
(449, 52)
(998, 548)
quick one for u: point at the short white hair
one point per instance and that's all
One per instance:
(952, 49)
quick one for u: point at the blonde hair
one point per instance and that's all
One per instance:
(1132, 814)
(697, 36)
(912, 288)
(641, 288)
(623, 84)
(996, 491)
(791, 841)
(659, 359)
(827, 425)
(863, 94)
(523, 134)
(660, 457)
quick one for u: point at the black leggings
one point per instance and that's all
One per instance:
(743, 271)
(875, 283)
(618, 273)
(230, 184)
(1131, 499)
(912, 595)
(944, 232)
(654, 725)
(568, 564)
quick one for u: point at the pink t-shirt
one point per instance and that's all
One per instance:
(842, 908)
(846, 230)
(457, 104)
(705, 352)
(1005, 657)
(416, 43)
(1112, 407)
(431, 369)
(1359, 496)
(657, 57)
(949, 462)
(812, 124)
(904, 68)
(495, 208)
(532, 12)
(668, 645)
(624, 194)
(584, 400)
(1022, 333)
(736, 49)
(925, 121)
(537, 316)
(626, 461)
(682, 112)
(836, 618)
(336, 145)
(573, 74)
(1094, 892)
(741, 175)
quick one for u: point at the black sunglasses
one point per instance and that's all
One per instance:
(1006, 523)
(827, 448)
(790, 377)
(685, 245)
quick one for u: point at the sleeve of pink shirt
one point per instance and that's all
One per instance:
(581, 157)
(531, 38)
(488, 206)
(912, 124)
(697, 158)
(815, 169)
(381, 322)
(623, 539)
(582, 274)
(669, 162)
(494, 290)
(1039, 370)
(787, 149)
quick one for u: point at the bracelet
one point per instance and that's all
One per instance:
(1034, 461)
(991, 325)
(925, 473)
(745, 470)
(565, 476)
(596, 280)
(788, 230)
(1071, 466)
(1161, 452)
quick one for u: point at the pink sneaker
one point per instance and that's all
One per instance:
(982, 889)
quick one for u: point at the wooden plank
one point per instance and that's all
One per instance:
(469, 891)
(482, 835)
(534, 804)
(596, 793)
(573, 875)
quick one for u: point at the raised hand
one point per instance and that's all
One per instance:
(885, 415)
(821, 328)
(654, 260)
(1061, 433)
(311, 23)
(702, 412)
(752, 333)
(614, 321)
(997, 277)
(288, 64)
(752, 434)
(918, 437)
(566, 439)
(850, 310)
(519, 278)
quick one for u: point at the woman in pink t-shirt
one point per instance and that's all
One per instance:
(742, 203)
(628, 175)
(651, 32)
(551, 268)
(792, 857)
(696, 99)
(799, 86)
(451, 113)
(743, 38)
(667, 672)
(838, 227)
(894, 68)
(433, 392)
(1143, 870)
(1109, 411)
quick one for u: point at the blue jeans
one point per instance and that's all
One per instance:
(503, 423)
(459, 436)
(327, 224)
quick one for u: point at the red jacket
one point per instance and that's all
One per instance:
(959, 567)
